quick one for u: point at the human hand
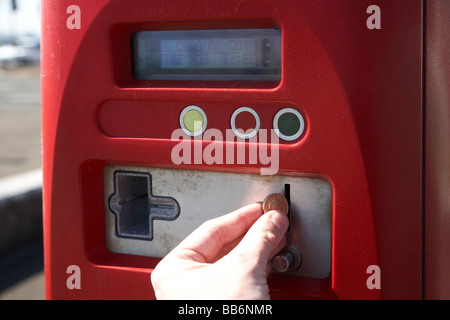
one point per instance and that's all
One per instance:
(225, 258)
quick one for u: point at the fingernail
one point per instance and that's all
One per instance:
(280, 220)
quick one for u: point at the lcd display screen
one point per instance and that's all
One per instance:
(229, 54)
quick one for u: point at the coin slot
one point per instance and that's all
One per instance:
(287, 195)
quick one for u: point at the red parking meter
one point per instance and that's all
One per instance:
(159, 115)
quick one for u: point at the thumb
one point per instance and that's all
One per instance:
(261, 240)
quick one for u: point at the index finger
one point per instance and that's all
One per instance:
(206, 242)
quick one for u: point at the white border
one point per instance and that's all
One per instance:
(233, 123)
(183, 127)
(300, 130)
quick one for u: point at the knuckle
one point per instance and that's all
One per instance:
(270, 237)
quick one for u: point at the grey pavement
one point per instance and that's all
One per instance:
(20, 121)
(21, 267)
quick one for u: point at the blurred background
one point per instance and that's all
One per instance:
(21, 252)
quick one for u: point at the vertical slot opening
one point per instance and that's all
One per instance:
(287, 195)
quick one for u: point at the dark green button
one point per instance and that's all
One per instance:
(288, 124)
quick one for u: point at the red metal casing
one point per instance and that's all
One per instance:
(360, 93)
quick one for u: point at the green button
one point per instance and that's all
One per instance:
(193, 120)
(288, 124)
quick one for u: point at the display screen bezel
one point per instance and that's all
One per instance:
(146, 55)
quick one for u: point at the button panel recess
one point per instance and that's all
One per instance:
(249, 121)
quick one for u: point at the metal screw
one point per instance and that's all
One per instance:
(283, 261)
(287, 260)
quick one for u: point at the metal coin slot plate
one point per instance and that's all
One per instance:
(204, 195)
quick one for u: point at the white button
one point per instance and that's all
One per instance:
(238, 131)
(289, 124)
(193, 120)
